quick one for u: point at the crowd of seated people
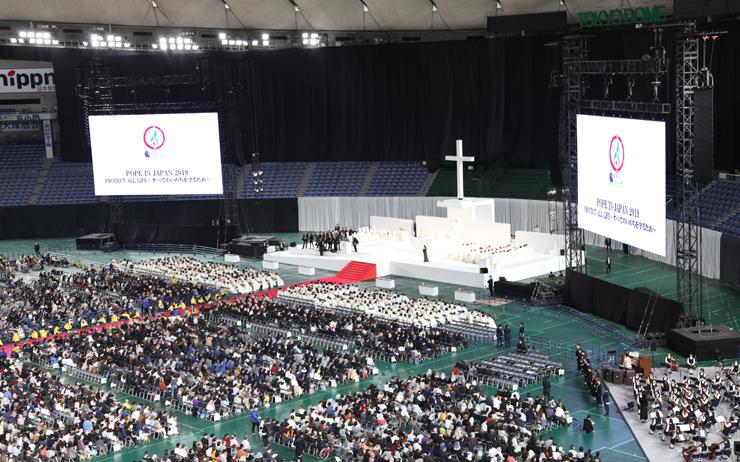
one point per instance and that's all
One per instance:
(162, 292)
(684, 410)
(368, 333)
(43, 418)
(207, 370)
(58, 302)
(210, 448)
(428, 417)
(233, 278)
(26, 263)
(387, 305)
(6, 268)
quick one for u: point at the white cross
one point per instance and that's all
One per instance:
(459, 159)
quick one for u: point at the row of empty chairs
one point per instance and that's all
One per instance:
(513, 370)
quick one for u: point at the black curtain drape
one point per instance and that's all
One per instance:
(632, 308)
(729, 265)
(404, 101)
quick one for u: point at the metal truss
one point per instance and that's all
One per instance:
(688, 279)
(574, 51)
(650, 66)
(626, 106)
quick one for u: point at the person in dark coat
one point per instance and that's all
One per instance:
(299, 447)
(588, 425)
(490, 285)
(547, 388)
(606, 402)
(426, 256)
(644, 406)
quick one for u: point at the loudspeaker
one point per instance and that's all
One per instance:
(562, 252)
(484, 270)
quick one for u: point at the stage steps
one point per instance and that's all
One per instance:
(307, 174)
(33, 197)
(368, 178)
(356, 271)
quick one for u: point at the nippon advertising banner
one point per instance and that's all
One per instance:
(27, 80)
(156, 154)
(621, 180)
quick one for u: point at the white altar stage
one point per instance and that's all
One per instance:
(405, 258)
(458, 245)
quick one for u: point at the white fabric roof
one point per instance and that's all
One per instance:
(325, 15)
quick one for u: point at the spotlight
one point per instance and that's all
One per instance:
(221, 36)
(163, 46)
(226, 6)
(232, 42)
(103, 44)
(39, 35)
(154, 4)
(110, 38)
(265, 36)
(188, 40)
(84, 44)
(498, 5)
(155, 46)
(126, 45)
(304, 35)
(195, 47)
(162, 40)
(13, 40)
(255, 43)
(179, 46)
(188, 46)
(562, 2)
(265, 43)
(32, 41)
(21, 40)
(434, 8)
(95, 43)
(171, 40)
(119, 44)
(296, 9)
(22, 34)
(224, 42)
(179, 40)
(365, 9)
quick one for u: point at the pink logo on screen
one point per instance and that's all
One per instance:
(616, 160)
(153, 139)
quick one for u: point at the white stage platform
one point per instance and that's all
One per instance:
(404, 258)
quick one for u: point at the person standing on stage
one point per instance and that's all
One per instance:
(546, 388)
(426, 256)
(608, 244)
(490, 286)
(507, 336)
(305, 240)
(608, 264)
(355, 242)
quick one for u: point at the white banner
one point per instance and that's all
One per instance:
(48, 141)
(27, 80)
